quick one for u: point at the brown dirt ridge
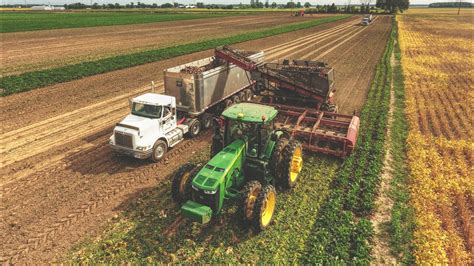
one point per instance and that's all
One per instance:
(59, 180)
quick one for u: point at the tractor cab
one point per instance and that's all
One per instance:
(252, 123)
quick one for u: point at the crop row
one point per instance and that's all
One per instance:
(439, 142)
(31, 21)
(401, 220)
(343, 230)
(36, 79)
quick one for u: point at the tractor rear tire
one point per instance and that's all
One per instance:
(250, 193)
(182, 179)
(291, 164)
(264, 208)
(277, 155)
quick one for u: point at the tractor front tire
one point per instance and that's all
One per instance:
(181, 186)
(291, 164)
(159, 150)
(250, 193)
(264, 208)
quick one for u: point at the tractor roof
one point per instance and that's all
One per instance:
(250, 113)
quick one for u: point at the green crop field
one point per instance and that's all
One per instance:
(30, 21)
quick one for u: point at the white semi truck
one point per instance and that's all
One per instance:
(367, 19)
(194, 92)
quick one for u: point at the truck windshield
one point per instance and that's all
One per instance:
(147, 110)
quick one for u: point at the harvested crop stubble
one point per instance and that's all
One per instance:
(438, 71)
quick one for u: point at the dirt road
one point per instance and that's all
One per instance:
(61, 183)
(27, 51)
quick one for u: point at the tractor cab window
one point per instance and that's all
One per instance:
(146, 110)
(240, 130)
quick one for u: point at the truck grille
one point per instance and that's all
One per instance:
(124, 140)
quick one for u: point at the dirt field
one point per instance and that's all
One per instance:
(27, 51)
(61, 183)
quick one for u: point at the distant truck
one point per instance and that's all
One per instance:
(193, 93)
(367, 19)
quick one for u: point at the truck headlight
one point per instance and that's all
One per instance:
(141, 148)
(210, 191)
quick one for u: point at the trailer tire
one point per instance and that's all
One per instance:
(277, 155)
(227, 103)
(206, 121)
(264, 208)
(159, 150)
(194, 128)
(249, 193)
(182, 179)
(291, 164)
(216, 145)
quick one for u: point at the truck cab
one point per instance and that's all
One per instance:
(150, 128)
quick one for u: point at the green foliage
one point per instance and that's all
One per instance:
(393, 5)
(402, 216)
(139, 235)
(30, 21)
(342, 231)
(37, 79)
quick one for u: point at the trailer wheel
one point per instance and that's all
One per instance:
(264, 208)
(291, 164)
(249, 196)
(216, 145)
(159, 150)
(206, 121)
(194, 128)
(181, 186)
(227, 103)
(277, 155)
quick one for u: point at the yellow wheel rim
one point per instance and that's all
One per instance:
(268, 208)
(184, 180)
(251, 203)
(296, 164)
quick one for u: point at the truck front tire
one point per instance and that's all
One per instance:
(159, 150)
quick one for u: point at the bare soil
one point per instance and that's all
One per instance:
(27, 51)
(59, 180)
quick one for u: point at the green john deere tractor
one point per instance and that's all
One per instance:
(249, 159)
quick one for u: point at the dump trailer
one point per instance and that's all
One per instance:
(318, 129)
(194, 93)
(249, 159)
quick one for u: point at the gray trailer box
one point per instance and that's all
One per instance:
(197, 92)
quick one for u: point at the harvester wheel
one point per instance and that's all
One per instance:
(277, 155)
(291, 164)
(236, 99)
(249, 197)
(194, 128)
(159, 150)
(248, 95)
(264, 208)
(181, 186)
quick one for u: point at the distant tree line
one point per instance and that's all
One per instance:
(362, 9)
(451, 4)
(393, 6)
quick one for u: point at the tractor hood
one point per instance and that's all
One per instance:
(214, 172)
(142, 124)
